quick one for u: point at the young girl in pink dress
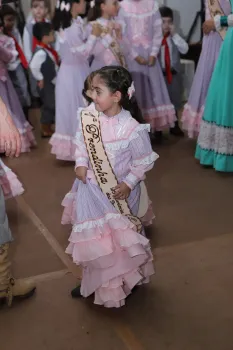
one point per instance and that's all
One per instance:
(144, 32)
(108, 243)
(112, 47)
(74, 49)
(9, 96)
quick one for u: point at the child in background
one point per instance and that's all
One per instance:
(105, 240)
(39, 11)
(112, 47)
(74, 48)
(44, 66)
(143, 29)
(172, 46)
(17, 69)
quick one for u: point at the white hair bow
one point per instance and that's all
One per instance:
(92, 4)
(131, 90)
(58, 4)
(64, 6)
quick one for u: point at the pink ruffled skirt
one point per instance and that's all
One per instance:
(114, 257)
(9, 182)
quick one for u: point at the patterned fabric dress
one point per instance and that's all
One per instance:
(144, 31)
(193, 110)
(114, 257)
(215, 141)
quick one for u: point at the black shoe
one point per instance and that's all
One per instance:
(76, 292)
(158, 137)
(176, 131)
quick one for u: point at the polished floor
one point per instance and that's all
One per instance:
(187, 306)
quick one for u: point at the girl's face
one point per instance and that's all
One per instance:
(39, 10)
(9, 22)
(110, 8)
(167, 23)
(103, 98)
(79, 8)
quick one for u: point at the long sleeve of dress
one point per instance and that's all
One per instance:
(158, 34)
(223, 21)
(143, 158)
(75, 38)
(8, 51)
(81, 156)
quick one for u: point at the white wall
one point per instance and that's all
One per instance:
(185, 12)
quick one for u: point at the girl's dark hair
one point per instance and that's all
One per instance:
(95, 12)
(62, 18)
(87, 85)
(7, 10)
(119, 79)
(166, 12)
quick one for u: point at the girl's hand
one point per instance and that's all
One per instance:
(208, 26)
(81, 173)
(172, 29)
(152, 61)
(122, 191)
(140, 60)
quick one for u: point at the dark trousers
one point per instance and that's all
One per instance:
(47, 95)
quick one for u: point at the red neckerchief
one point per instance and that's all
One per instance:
(51, 50)
(20, 52)
(167, 58)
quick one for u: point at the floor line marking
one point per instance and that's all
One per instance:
(48, 276)
(76, 271)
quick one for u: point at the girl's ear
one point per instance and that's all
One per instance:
(117, 96)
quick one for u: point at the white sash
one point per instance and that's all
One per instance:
(102, 169)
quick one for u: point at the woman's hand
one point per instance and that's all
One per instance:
(152, 61)
(81, 173)
(208, 26)
(122, 191)
(140, 60)
(10, 141)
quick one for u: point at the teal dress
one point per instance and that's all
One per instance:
(215, 141)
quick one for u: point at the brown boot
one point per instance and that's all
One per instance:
(11, 288)
(46, 130)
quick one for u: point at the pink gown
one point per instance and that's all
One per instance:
(114, 257)
(74, 51)
(143, 29)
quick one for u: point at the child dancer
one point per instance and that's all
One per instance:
(215, 141)
(17, 69)
(112, 47)
(193, 110)
(144, 31)
(39, 11)
(172, 46)
(74, 52)
(107, 239)
(8, 94)
(44, 66)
